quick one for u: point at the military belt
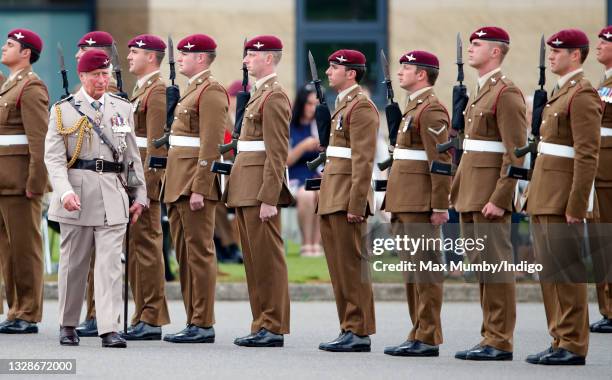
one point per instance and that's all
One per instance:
(338, 151)
(483, 146)
(251, 146)
(409, 154)
(13, 140)
(98, 166)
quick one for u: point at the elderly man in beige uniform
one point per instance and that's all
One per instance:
(90, 146)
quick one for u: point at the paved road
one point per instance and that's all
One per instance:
(312, 322)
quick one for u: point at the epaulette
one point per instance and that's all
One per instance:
(66, 99)
(118, 97)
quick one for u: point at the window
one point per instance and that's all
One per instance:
(325, 26)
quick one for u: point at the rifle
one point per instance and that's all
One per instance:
(394, 118)
(540, 98)
(242, 99)
(173, 94)
(323, 118)
(117, 71)
(460, 100)
(62, 64)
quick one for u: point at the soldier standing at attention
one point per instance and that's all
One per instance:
(146, 238)
(417, 199)
(482, 192)
(96, 40)
(603, 187)
(257, 187)
(346, 200)
(24, 115)
(191, 190)
(560, 196)
(89, 146)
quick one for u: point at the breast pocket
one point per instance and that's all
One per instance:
(485, 122)
(5, 109)
(253, 123)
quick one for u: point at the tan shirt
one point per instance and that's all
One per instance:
(411, 187)
(561, 185)
(346, 183)
(496, 113)
(24, 104)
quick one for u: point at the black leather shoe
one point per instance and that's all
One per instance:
(19, 326)
(68, 336)
(413, 348)
(604, 326)
(562, 356)
(535, 358)
(463, 354)
(142, 331)
(263, 338)
(241, 339)
(488, 353)
(348, 342)
(113, 340)
(192, 334)
(88, 328)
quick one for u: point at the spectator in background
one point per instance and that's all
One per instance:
(304, 147)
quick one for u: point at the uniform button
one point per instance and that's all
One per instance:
(5, 104)
(481, 114)
(178, 104)
(556, 114)
(469, 120)
(184, 111)
(250, 115)
(203, 163)
(175, 118)
(331, 134)
(327, 161)
(548, 105)
(463, 113)
(101, 157)
(102, 142)
(473, 105)
(467, 136)
(543, 121)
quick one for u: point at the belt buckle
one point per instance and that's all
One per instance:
(99, 166)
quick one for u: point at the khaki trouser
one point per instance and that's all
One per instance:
(75, 257)
(21, 257)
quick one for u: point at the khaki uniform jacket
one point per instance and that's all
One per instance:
(258, 177)
(604, 169)
(496, 113)
(346, 183)
(103, 198)
(149, 105)
(561, 185)
(201, 112)
(24, 105)
(411, 188)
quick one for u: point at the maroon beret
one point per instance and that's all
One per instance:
(350, 58)
(568, 39)
(606, 33)
(93, 60)
(197, 43)
(264, 43)
(420, 58)
(27, 39)
(491, 33)
(148, 42)
(96, 39)
(236, 87)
